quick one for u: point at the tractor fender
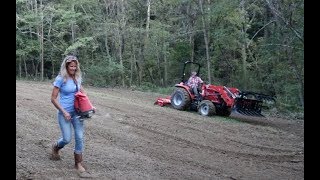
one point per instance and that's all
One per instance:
(187, 88)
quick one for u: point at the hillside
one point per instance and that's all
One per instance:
(131, 138)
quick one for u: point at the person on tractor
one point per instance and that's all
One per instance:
(194, 83)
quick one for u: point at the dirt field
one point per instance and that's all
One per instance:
(131, 138)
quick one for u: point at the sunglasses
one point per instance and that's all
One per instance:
(71, 58)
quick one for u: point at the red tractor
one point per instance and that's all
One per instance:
(214, 100)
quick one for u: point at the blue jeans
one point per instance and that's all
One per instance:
(66, 131)
(195, 90)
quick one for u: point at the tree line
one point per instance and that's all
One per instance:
(249, 44)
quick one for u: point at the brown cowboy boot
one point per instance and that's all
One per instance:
(78, 162)
(55, 152)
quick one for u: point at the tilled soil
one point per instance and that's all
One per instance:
(131, 138)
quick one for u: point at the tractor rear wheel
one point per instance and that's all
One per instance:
(206, 108)
(180, 99)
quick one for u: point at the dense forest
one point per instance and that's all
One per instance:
(255, 45)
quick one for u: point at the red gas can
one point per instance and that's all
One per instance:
(83, 105)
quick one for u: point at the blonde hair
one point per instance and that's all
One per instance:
(63, 69)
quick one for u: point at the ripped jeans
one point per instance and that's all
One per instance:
(66, 131)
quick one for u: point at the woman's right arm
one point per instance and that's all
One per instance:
(55, 102)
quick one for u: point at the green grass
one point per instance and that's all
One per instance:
(227, 119)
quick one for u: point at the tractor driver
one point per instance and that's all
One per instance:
(194, 83)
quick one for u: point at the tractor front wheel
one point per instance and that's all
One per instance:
(206, 108)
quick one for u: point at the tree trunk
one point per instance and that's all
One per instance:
(144, 44)
(25, 67)
(121, 27)
(120, 55)
(244, 78)
(140, 64)
(73, 31)
(244, 66)
(20, 69)
(150, 75)
(106, 32)
(165, 66)
(191, 18)
(106, 45)
(148, 19)
(132, 60)
(38, 32)
(206, 40)
(52, 64)
(192, 42)
(146, 39)
(41, 42)
(159, 74)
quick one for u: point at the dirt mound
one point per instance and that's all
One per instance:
(131, 138)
